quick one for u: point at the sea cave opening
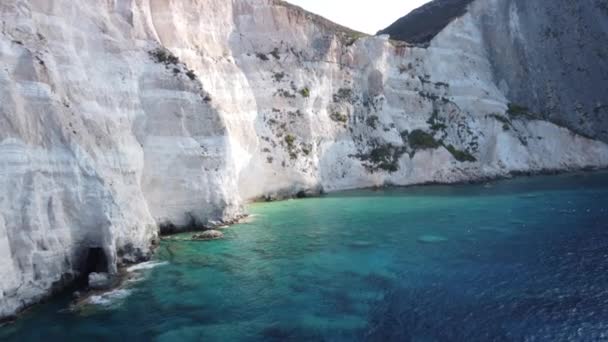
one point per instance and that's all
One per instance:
(96, 261)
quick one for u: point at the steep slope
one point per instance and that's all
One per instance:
(424, 23)
(545, 56)
(99, 144)
(167, 113)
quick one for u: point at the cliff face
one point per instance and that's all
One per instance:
(142, 114)
(99, 143)
(546, 56)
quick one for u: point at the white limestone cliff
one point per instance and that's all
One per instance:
(104, 137)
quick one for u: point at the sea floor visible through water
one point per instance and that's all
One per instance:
(514, 260)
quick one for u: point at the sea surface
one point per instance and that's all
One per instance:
(515, 260)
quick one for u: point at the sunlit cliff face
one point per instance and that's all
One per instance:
(149, 114)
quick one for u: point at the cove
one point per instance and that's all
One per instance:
(520, 259)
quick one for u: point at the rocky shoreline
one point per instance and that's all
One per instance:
(479, 180)
(109, 283)
(99, 156)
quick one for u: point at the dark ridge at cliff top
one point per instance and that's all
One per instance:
(320, 21)
(424, 23)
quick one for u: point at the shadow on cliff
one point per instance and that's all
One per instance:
(187, 155)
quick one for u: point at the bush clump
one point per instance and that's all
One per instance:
(191, 75)
(275, 53)
(285, 93)
(429, 96)
(372, 121)
(305, 92)
(290, 140)
(384, 157)
(461, 156)
(343, 94)
(421, 140)
(262, 56)
(338, 117)
(516, 111)
(278, 76)
(164, 56)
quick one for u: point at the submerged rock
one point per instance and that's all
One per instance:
(208, 235)
(432, 239)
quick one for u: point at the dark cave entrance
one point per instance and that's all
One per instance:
(96, 261)
(92, 260)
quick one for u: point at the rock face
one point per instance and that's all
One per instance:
(145, 113)
(546, 56)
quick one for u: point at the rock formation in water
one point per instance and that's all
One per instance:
(121, 117)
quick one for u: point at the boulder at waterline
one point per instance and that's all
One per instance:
(208, 235)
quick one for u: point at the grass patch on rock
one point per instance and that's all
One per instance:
(191, 75)
(343, 94)
(519, 112)
(164, 56)
(372, 121)
(278, 76)
(262, 56)
(305, 92)
(421, 140)
(275, 53)
(338, 117)
(461, 156)
(384, 157)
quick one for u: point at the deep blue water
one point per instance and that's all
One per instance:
(516, 260)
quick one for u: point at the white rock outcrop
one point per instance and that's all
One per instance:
(104, 136)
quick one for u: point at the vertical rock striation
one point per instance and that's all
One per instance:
(546, 56)
(148, 114)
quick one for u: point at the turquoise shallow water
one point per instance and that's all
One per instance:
(523, 259)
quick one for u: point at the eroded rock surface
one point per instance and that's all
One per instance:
(548, 56)
(145, 113)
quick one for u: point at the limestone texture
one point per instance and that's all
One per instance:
(122, 118)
